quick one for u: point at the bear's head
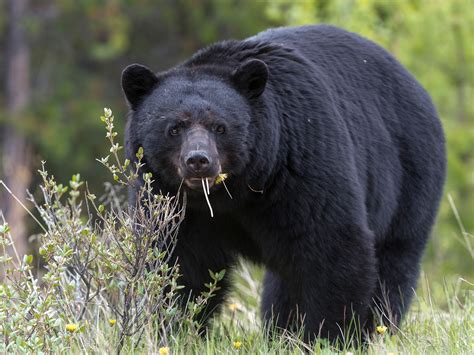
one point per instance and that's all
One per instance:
(193, 123)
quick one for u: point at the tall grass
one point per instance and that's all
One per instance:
(427, 329)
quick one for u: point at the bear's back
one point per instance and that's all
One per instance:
(375, 95)
(393, 126)
(358, 70)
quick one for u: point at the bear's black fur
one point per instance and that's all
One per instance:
(335, 160)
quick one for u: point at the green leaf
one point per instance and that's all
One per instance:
(221, 275)
(4, 228)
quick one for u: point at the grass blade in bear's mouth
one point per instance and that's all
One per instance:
(221, 179)
(206, 192)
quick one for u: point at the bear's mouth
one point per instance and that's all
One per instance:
(200, 183)
(205, 184)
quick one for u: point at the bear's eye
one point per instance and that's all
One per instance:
(219, 129)
(174, 131)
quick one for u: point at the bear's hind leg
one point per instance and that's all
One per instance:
(399, 258)
(400, 250)
(327, 290)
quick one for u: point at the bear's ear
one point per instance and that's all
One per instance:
(251, 78)
(137, 82)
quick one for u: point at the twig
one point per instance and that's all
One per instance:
(22, 205)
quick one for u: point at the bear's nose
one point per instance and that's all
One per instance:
(197, 161)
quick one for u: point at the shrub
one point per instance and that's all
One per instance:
(106, 263)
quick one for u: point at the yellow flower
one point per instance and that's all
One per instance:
(233, 307)
(71, 327)
(220, 178)
(381, 329)
(237, 345)
(164, 350)
(112, 322)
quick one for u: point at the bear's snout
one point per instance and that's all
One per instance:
(199, 158)
(197, 161)
(198, 164)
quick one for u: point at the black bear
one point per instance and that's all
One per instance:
(334, 159)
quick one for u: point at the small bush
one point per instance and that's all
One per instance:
(105, 264)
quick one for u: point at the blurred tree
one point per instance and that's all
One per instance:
(16, 150)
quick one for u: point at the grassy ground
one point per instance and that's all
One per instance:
(427, 329)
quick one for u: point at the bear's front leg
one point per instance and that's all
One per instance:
(203, 246)
(326, 284)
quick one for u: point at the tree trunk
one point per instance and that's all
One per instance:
(461, 79)
(15, 148)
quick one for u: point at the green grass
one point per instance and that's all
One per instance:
(427, 329)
